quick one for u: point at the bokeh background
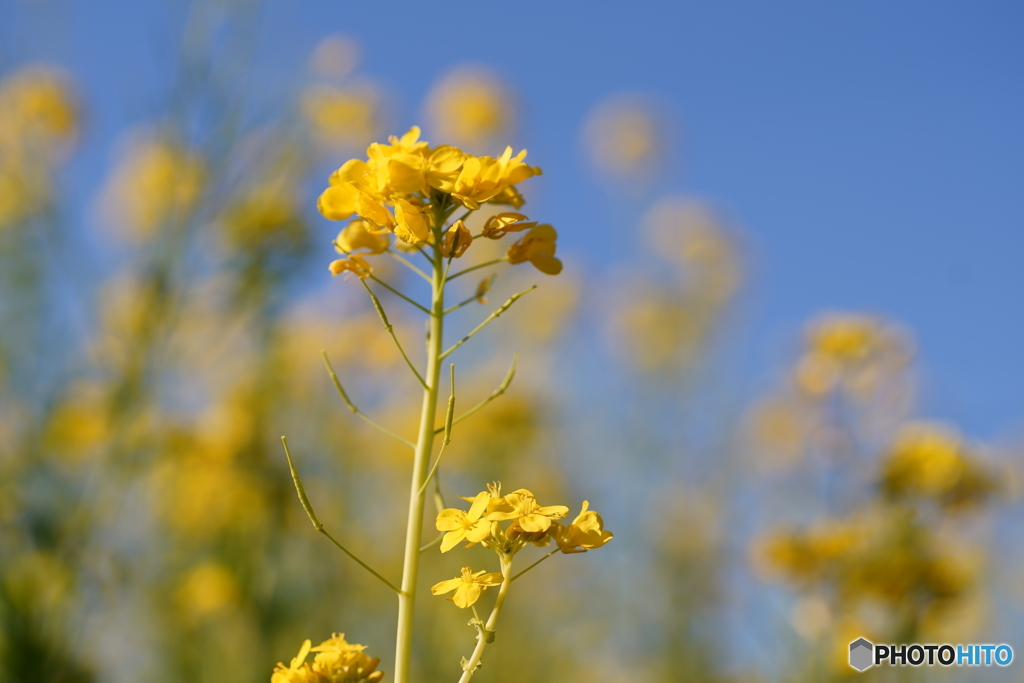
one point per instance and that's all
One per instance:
(782, 360)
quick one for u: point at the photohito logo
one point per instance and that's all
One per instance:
(865, 654)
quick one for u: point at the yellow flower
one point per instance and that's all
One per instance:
(359, 234)
(411, 222)
(470, 106)
(467, 526)
(500, 224)
(468, 587)
(337, 661)
(522, 506)
(456, 240)
(342, 117)
(355, 264)
(585, 533)
(537, 247)
(343, 662)
(299, 671)
(510, 196)
(483, 178)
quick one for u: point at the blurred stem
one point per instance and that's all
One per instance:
(353, 408)
(421, 461)
(493, 316)
(447, 432)
(318, 525)
(486, 633)
(390, 329)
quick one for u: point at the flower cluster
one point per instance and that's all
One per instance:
(530, 523)
(336, 661)
(409, 189)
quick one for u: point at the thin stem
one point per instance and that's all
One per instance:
(447, 433)
(485, 634)
(460, 305)
(493, 316)
(363, 564)
(464, 216)
(391, 330)
(437, 539)
(479, 266)
(502, 388)
(316, 522)
(352, 407)
(399, 294)
(535, 563)
(408, 264)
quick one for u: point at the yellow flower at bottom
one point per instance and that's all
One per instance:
(585, 533)
(468, 587)
(299, 671)
(537, 247)
(353, 264)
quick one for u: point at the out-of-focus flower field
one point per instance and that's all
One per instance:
(149, 528)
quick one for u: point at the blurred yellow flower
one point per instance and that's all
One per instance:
(207, 590)
(469, 587)
(156, 181)
(37, 109)
(471, 106)
(933, 461)
(537, 247)
(625, 138)
(342, 117)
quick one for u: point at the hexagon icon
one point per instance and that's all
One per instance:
(861, 654)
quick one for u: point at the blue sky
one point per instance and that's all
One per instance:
(872, 153)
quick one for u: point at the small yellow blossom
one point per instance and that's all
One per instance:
(510, 196)
(500, 224)
(468, 587)
(411, 223)
(585, 533)
(337, 661)
(342, 117)
(469, 526)
(355, 264)
(522, 506)
(359, 234)
(537, 247)
(456, 240)
(483, 178)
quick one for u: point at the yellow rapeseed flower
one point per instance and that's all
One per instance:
(359, 234)
(483, 178)
(522, 506)
(469, 526)
(537, 247)
(500, 224)
(585, 533)
(456, 240)
(355, 264)
(468, 587)
(337, 661)
(470, 106)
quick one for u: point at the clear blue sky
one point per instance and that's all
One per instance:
(873, 152)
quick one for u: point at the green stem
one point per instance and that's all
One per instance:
(502, 388)
(535, 563)
(486, 634)
(390, 329)
(493, 316)
(352, 408)
(421, 461)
